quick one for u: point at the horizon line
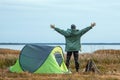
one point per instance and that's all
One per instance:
(99, 43)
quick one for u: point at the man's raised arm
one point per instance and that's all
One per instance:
(93, 24)
(52, 26)
(63, 32)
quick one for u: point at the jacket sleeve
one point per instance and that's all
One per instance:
(63, 32)
(83, 31)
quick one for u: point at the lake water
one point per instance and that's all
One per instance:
(85, 48)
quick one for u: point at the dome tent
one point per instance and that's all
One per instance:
(40, 59)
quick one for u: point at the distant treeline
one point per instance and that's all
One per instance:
(59, 43)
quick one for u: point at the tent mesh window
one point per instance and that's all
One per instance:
(59, 58)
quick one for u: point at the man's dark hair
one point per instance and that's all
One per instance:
(73, 26)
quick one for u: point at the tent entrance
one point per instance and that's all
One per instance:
(58, 58)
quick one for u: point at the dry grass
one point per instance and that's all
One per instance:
(8, 51)
(107, 61)
(8, 57)
(108, 51)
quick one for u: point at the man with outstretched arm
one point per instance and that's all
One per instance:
(73, 43)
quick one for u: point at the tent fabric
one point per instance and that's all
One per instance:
(30, 55)
(40, 59)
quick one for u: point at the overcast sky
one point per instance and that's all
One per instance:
(29, 20)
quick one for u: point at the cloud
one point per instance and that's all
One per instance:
(86, 4)
(28, 2)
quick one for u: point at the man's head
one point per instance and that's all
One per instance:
(73, 26)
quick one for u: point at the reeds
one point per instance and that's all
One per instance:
(8, 57)
(107, 61)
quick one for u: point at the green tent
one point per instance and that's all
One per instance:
(40, 59)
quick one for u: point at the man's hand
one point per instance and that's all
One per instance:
(52, 26)
(93, 24)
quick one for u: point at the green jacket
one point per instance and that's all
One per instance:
(73, 37)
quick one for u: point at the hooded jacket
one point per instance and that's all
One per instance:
(73, 38)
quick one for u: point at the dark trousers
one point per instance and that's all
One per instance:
(76, 56)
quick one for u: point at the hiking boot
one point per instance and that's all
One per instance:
(77, 70)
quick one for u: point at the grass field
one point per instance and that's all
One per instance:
(107, 61)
